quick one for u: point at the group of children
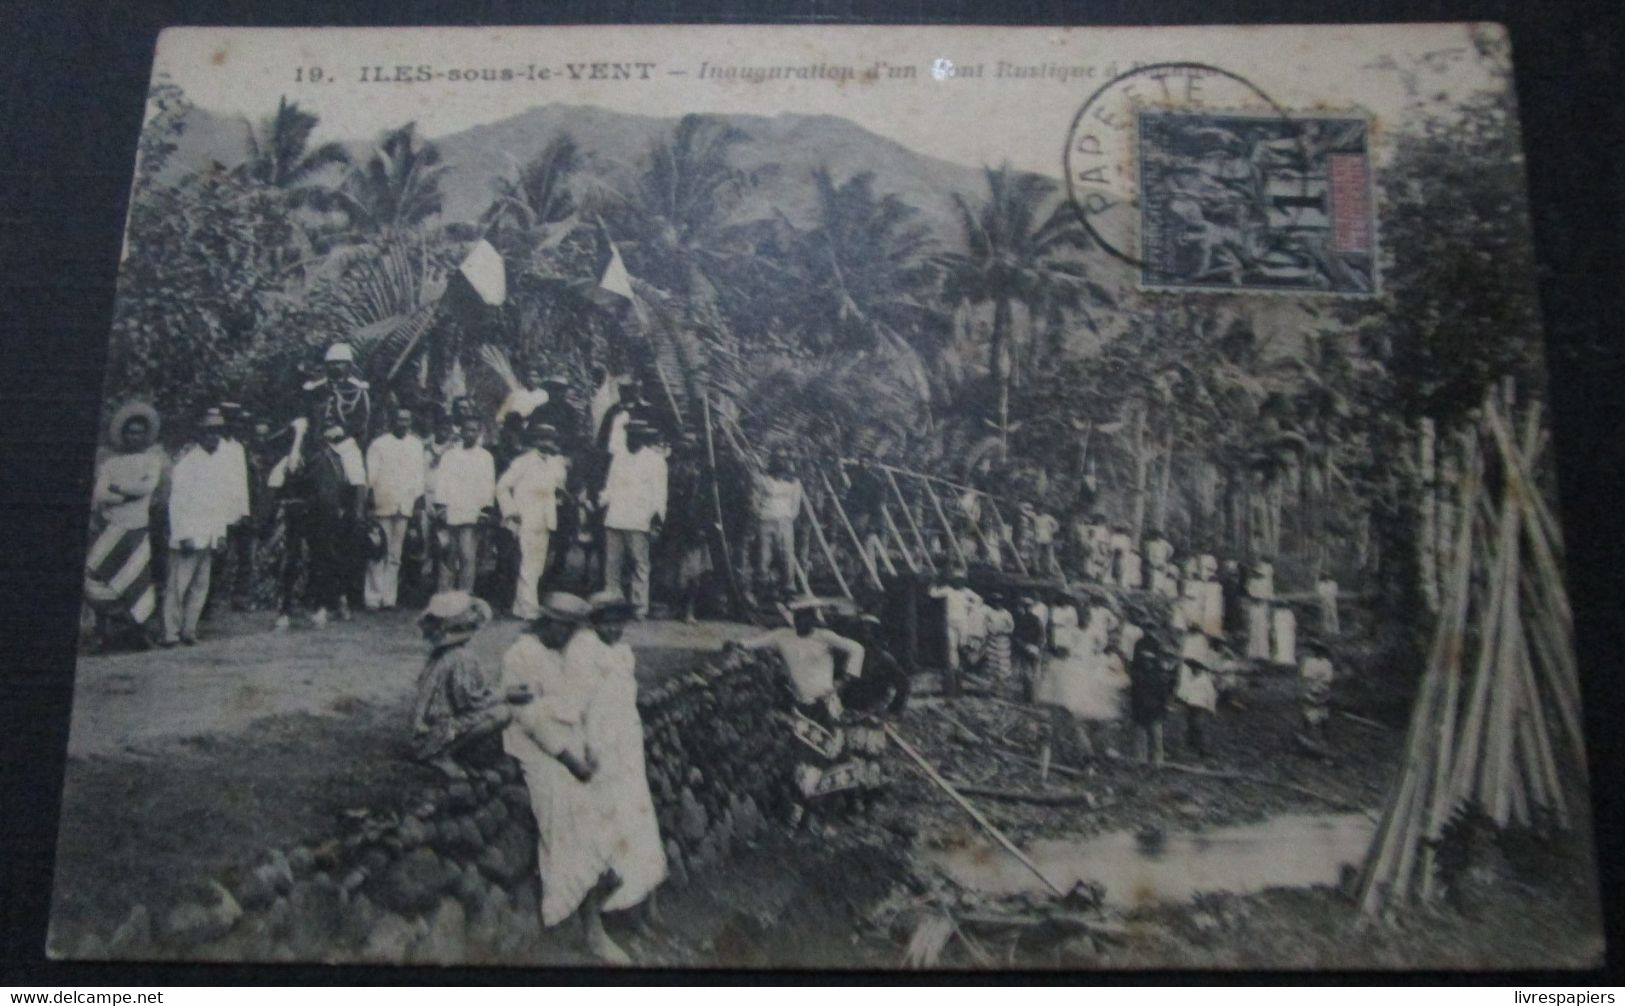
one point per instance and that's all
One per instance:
(1093, 670)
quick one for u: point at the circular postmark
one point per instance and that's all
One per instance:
(1200, 180)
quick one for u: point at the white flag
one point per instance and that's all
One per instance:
(485, 272)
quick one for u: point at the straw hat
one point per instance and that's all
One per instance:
(456, 610)
(610, 606)
(129, 411)
(561, 606)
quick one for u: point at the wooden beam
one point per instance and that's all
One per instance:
(914, 526)
(947, 528)
(823, 544)
(902, 546)
(857, 543)
(970, 808)
(1015, 553)
(735, 596)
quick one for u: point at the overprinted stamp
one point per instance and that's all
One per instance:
(1236, 201)
(1200, 180)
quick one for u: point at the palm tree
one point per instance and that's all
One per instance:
(858, 280)
(540, 193)
(1016, 243)
(672, 220)
(279, 154)
(863, 262)
(395, 190)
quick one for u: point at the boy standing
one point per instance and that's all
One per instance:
(1315, 676)
(1149, 689)
(1200, 697)
(465, 483)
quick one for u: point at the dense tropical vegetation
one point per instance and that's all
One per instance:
(1008, 353)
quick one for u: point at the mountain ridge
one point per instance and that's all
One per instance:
(613, 142)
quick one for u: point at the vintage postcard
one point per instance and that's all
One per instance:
(839, 497)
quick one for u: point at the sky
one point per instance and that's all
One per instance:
(969, 113)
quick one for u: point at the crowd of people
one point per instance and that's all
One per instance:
(539, 493)
(554, 512)
(1176, 634)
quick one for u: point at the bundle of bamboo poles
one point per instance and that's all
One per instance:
(1496, 724)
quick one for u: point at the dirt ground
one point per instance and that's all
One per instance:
(186, 763)
(241, 673)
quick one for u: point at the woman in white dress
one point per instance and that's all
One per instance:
(548, 739)
(1283, 634)
(1078, 686)
(631, 858)
(1260, 592)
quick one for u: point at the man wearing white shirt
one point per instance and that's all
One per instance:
(635, 497)
(1326, 591)
(239, 535)
(396, 472)
(465, 484)
(611, 431)
(1260, 594)
(776, 498)
(528, 495)
(956, 597)
(436, 539)
(201, 505)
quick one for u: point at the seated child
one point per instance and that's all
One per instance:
(456, 704)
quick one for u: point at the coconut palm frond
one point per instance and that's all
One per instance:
(496, 358)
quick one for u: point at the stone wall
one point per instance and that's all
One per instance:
(448, 875)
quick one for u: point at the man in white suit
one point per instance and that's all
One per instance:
(396, 471)
(528, 495)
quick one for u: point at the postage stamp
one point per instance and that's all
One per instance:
(1239, 201)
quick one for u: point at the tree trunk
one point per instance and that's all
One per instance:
(1206, 518)
(1428, 530)
(1446, 512)
(1274, 495)
(999, 364)
(1142, 470)
(1304, 525)
(1230, 534)
(1164, 486)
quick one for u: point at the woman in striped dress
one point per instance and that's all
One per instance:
(996, 653)
(118, 569)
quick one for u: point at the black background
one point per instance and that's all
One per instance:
(73, 78)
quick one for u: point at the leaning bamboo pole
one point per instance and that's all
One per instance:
(947, 527)
(992, 498)
(897, 536)
(1448, 646)
(823, 545)
(908, 514)
(1500, 672)
(735, 595)
(852, 532)
(1015, 553)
